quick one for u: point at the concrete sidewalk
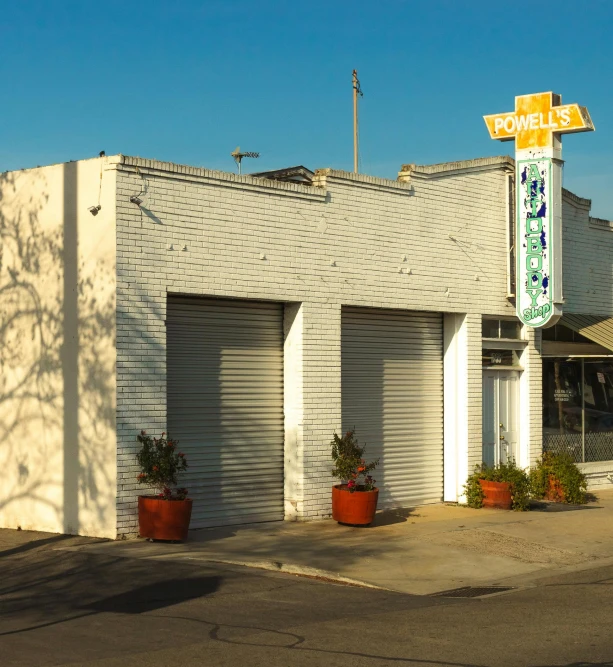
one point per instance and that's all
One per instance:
(421, 551)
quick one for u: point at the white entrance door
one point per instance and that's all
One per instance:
(500, 416)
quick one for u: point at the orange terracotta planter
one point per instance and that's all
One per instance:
(357, 508)
(496, 494)
(555, 491)
(163, 519)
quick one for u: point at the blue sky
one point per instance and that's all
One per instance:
(189, 80)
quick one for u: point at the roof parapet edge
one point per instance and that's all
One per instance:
(323, 175)
(202, 173)
(581, 201)
(445, 168)
(601, 223)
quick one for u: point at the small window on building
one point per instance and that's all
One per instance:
(508, 329)
(562, 334)
(578, 408)
(491, 328)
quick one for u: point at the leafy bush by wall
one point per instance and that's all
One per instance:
(557, 477)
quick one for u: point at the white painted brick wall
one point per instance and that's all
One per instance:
(534, 366)
(293, 408)
(342, 242)
(587, 259)
(475, 382)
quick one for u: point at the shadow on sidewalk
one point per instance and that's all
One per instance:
(157, 595)
(47, 587)
(34, 544)
(392, 516)
(609, 663)
(545, 506)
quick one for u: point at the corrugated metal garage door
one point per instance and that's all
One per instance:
(225, 406)
(392, 393)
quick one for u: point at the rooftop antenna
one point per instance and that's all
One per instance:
(357, 90)
(238, 156)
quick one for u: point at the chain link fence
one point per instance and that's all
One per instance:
(598, 446)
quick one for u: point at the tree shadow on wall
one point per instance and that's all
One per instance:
(56, 376)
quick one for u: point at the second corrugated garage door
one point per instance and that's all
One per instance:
(392, 393)
(225, 406)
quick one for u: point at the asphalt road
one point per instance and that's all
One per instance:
(75, 608)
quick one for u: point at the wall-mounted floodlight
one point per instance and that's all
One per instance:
(238, 156)
(136, 200)
(94, 209)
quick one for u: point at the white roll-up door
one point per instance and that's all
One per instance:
(225, 406)
(392, 393)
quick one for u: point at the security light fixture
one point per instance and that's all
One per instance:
(136, 200)
(94, 209)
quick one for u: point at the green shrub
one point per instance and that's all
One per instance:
(559, 471)
(349, 466)
(161, 464)
(503, 472)
(473, 490)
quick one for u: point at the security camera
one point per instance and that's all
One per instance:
(94, 209)
(136, 200)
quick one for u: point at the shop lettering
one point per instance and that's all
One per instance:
(562, 395)
(535, 284)
(532, 121)
(534, 273)
(533, 313)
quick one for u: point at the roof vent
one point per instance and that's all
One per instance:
(298, 174)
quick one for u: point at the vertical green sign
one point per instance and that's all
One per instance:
(535, 241)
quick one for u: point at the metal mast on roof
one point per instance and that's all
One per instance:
(238, 156)
(357, 90)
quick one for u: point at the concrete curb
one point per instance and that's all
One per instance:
(298, 570)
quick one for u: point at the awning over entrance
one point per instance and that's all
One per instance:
(598, 329)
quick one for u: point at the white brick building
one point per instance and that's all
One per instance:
(252, 318)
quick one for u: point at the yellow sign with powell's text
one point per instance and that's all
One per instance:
(536, 119)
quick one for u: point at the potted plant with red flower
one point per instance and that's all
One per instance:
(354, 500)
(166, 515)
